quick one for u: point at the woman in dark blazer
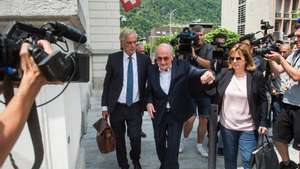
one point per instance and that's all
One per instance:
(243, 106)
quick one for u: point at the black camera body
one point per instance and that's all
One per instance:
(266, 44)
(265, 25)
(220, 49)
(57, 66)
(269, 46)
(185, 40)
(220, 52)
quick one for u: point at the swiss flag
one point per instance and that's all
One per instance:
(129, 4)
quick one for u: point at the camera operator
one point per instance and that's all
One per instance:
(258, 59)
(279, 84)
(287, 126)
(15, 115)
(219, 54)
(201, 57)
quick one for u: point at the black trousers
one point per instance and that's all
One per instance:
(167, 136)
(132, 117)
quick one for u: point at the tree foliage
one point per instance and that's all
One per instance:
(231, 37)
(154, 13)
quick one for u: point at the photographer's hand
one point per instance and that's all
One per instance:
(14, 117)
(194, 54)
(45, 45)
(274, 59)
(201, 61)
(274, 56)
(31, 72)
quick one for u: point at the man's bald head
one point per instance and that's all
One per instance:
(164, 47)
(164, 56)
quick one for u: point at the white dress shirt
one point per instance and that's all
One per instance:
(165, 81)
(136, 95)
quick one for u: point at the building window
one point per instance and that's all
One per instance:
(277, 25)
(241, 17)
(242, 1)
(241, 29)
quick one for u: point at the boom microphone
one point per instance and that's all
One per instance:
(68, 32)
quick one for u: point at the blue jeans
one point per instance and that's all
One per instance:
(245, 140)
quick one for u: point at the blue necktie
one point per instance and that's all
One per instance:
(129, 90)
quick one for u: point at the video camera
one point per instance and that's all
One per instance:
(185, 40)
(265, 44)
(219, 50)
(57, 66)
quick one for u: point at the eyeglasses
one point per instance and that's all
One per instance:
(159, 59)
(231, 59)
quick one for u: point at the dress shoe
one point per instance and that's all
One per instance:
(137, 165)
(161, 167)
(144, 135)
(126, 166)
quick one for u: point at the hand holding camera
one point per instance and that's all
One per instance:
(31, 72)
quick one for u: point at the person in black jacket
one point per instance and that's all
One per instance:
(122, 97)
(243, 106)
(169, 99)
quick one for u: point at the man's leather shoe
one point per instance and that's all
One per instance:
(137, 165)
(143, 134)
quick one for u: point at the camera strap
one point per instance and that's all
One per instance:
(33, 126)
(36, 137)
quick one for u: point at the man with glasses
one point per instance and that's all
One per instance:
(169, 101)
(287, 126)
(202, 57)
(122, 97)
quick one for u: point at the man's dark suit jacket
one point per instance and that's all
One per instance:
(113, 81)
(256, 94)
(179, 96)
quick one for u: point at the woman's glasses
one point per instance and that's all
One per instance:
(231, 59)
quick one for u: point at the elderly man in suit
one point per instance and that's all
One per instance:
(123, 91)
(168, 99)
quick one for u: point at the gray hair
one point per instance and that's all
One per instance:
(125, 32)
(198, 28)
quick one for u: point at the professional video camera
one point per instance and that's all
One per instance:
(219, 50)
(265, 44)
(58, 66)
(185, 40)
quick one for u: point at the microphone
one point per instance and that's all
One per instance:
(68, 32)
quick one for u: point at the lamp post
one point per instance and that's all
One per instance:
(170, 25)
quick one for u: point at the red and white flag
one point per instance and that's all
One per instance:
(129, 4)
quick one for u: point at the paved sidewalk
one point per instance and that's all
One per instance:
(189, 159)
